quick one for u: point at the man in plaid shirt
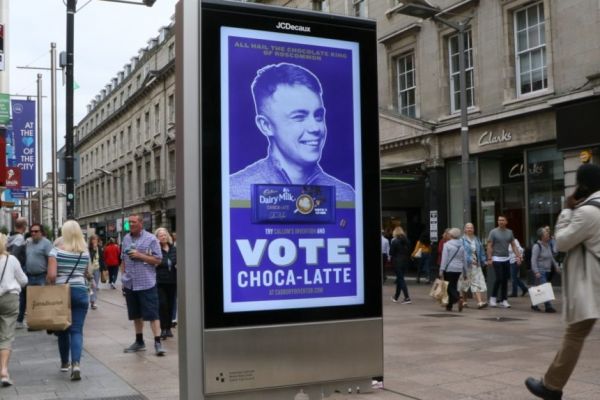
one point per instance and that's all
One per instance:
(140, 254)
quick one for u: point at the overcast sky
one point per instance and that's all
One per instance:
(107, 35)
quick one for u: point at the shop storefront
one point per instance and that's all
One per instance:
(516, 171)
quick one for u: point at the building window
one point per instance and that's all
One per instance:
(360, 8)
(453, 55)
(122, 147)
(156, 118)
(147, 124)
(171, 105)
(406, 85)
(530, 49)
(171, 51)
(172, 168)
(138, 130)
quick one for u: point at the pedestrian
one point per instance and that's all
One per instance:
(69, 263)
(166, 280)
(542, 264)
(385, 254)
(96, 266)
(140, 255)
(400, 253)
(577, 232)
(515, 271)
(37, 251)
(422, 252)
(16, 246)
(112, 259)
(453, 264)
(497, 255)
(440, 247)
(476, 259)
(12, 279)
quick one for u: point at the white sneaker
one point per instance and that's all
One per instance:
(493, 302)
(21, 325)
(505, 304)
(394, 299)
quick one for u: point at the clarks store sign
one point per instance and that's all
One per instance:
(488, 137)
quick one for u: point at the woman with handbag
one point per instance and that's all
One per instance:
(453, 264)
(400, 253)
(69, 264)
(166, 280)
(422, 253)
(12, 280)
(542, 264)
(475, 254)
(96, 268)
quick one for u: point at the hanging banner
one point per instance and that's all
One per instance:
(20, 141)
(4, 109)
(291, 171)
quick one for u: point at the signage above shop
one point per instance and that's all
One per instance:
(488, 138)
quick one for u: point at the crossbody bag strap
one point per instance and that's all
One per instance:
(4, 270)
(73, 270)
(454, 255)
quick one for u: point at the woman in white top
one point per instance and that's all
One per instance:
(12, 279)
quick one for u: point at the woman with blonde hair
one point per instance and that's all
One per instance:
(96, 266)
(166, 281)
(12, 279)
(69, 263)
(400, 253)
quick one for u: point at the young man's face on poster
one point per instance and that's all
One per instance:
(293, 118)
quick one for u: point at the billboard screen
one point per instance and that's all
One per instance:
(286, 120)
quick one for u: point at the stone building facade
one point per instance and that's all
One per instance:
(527, 61)
(129, 134)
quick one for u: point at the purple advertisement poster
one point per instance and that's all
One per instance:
(20, 141)
(291, 171)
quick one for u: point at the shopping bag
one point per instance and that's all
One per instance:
(49, 307)
(104, 276)
(541, 293)
(439, 290)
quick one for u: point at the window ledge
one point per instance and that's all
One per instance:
(456, 114)
(529, 96)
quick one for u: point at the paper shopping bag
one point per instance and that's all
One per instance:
(541, 294)
(49, 307)
(104, 276)
(439, 290)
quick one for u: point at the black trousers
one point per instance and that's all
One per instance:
(113, 272)
(502, 272)
(167, 293)
(453, 295)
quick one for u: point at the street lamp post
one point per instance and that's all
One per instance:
(69, 70)
(422, 9)
(122, 184)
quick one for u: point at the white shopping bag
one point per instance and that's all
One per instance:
(541, 294)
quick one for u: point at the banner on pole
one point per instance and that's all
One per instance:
(20, 141)
(4, 109)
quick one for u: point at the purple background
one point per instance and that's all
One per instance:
(248, 145)
(256, 231)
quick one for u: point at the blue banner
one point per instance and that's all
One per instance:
(20, 141)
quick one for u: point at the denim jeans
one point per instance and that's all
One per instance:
(113, 272)
(515, 280)
(502, 271)
(33, 280)
(72, 338)
(400, 282)
(424, 266)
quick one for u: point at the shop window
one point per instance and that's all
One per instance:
(454, 70)
(545, 179)
(405, 84)
(530, 49)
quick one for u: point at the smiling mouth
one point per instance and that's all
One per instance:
(313, 143)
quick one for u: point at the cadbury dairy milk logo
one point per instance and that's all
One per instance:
(291, 27)
(488, 138)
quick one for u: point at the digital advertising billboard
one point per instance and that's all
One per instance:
(287, 127)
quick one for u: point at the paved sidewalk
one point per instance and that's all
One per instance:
(430, 354)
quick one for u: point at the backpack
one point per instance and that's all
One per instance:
(527, 255)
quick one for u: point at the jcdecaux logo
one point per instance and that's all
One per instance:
(291, 27)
